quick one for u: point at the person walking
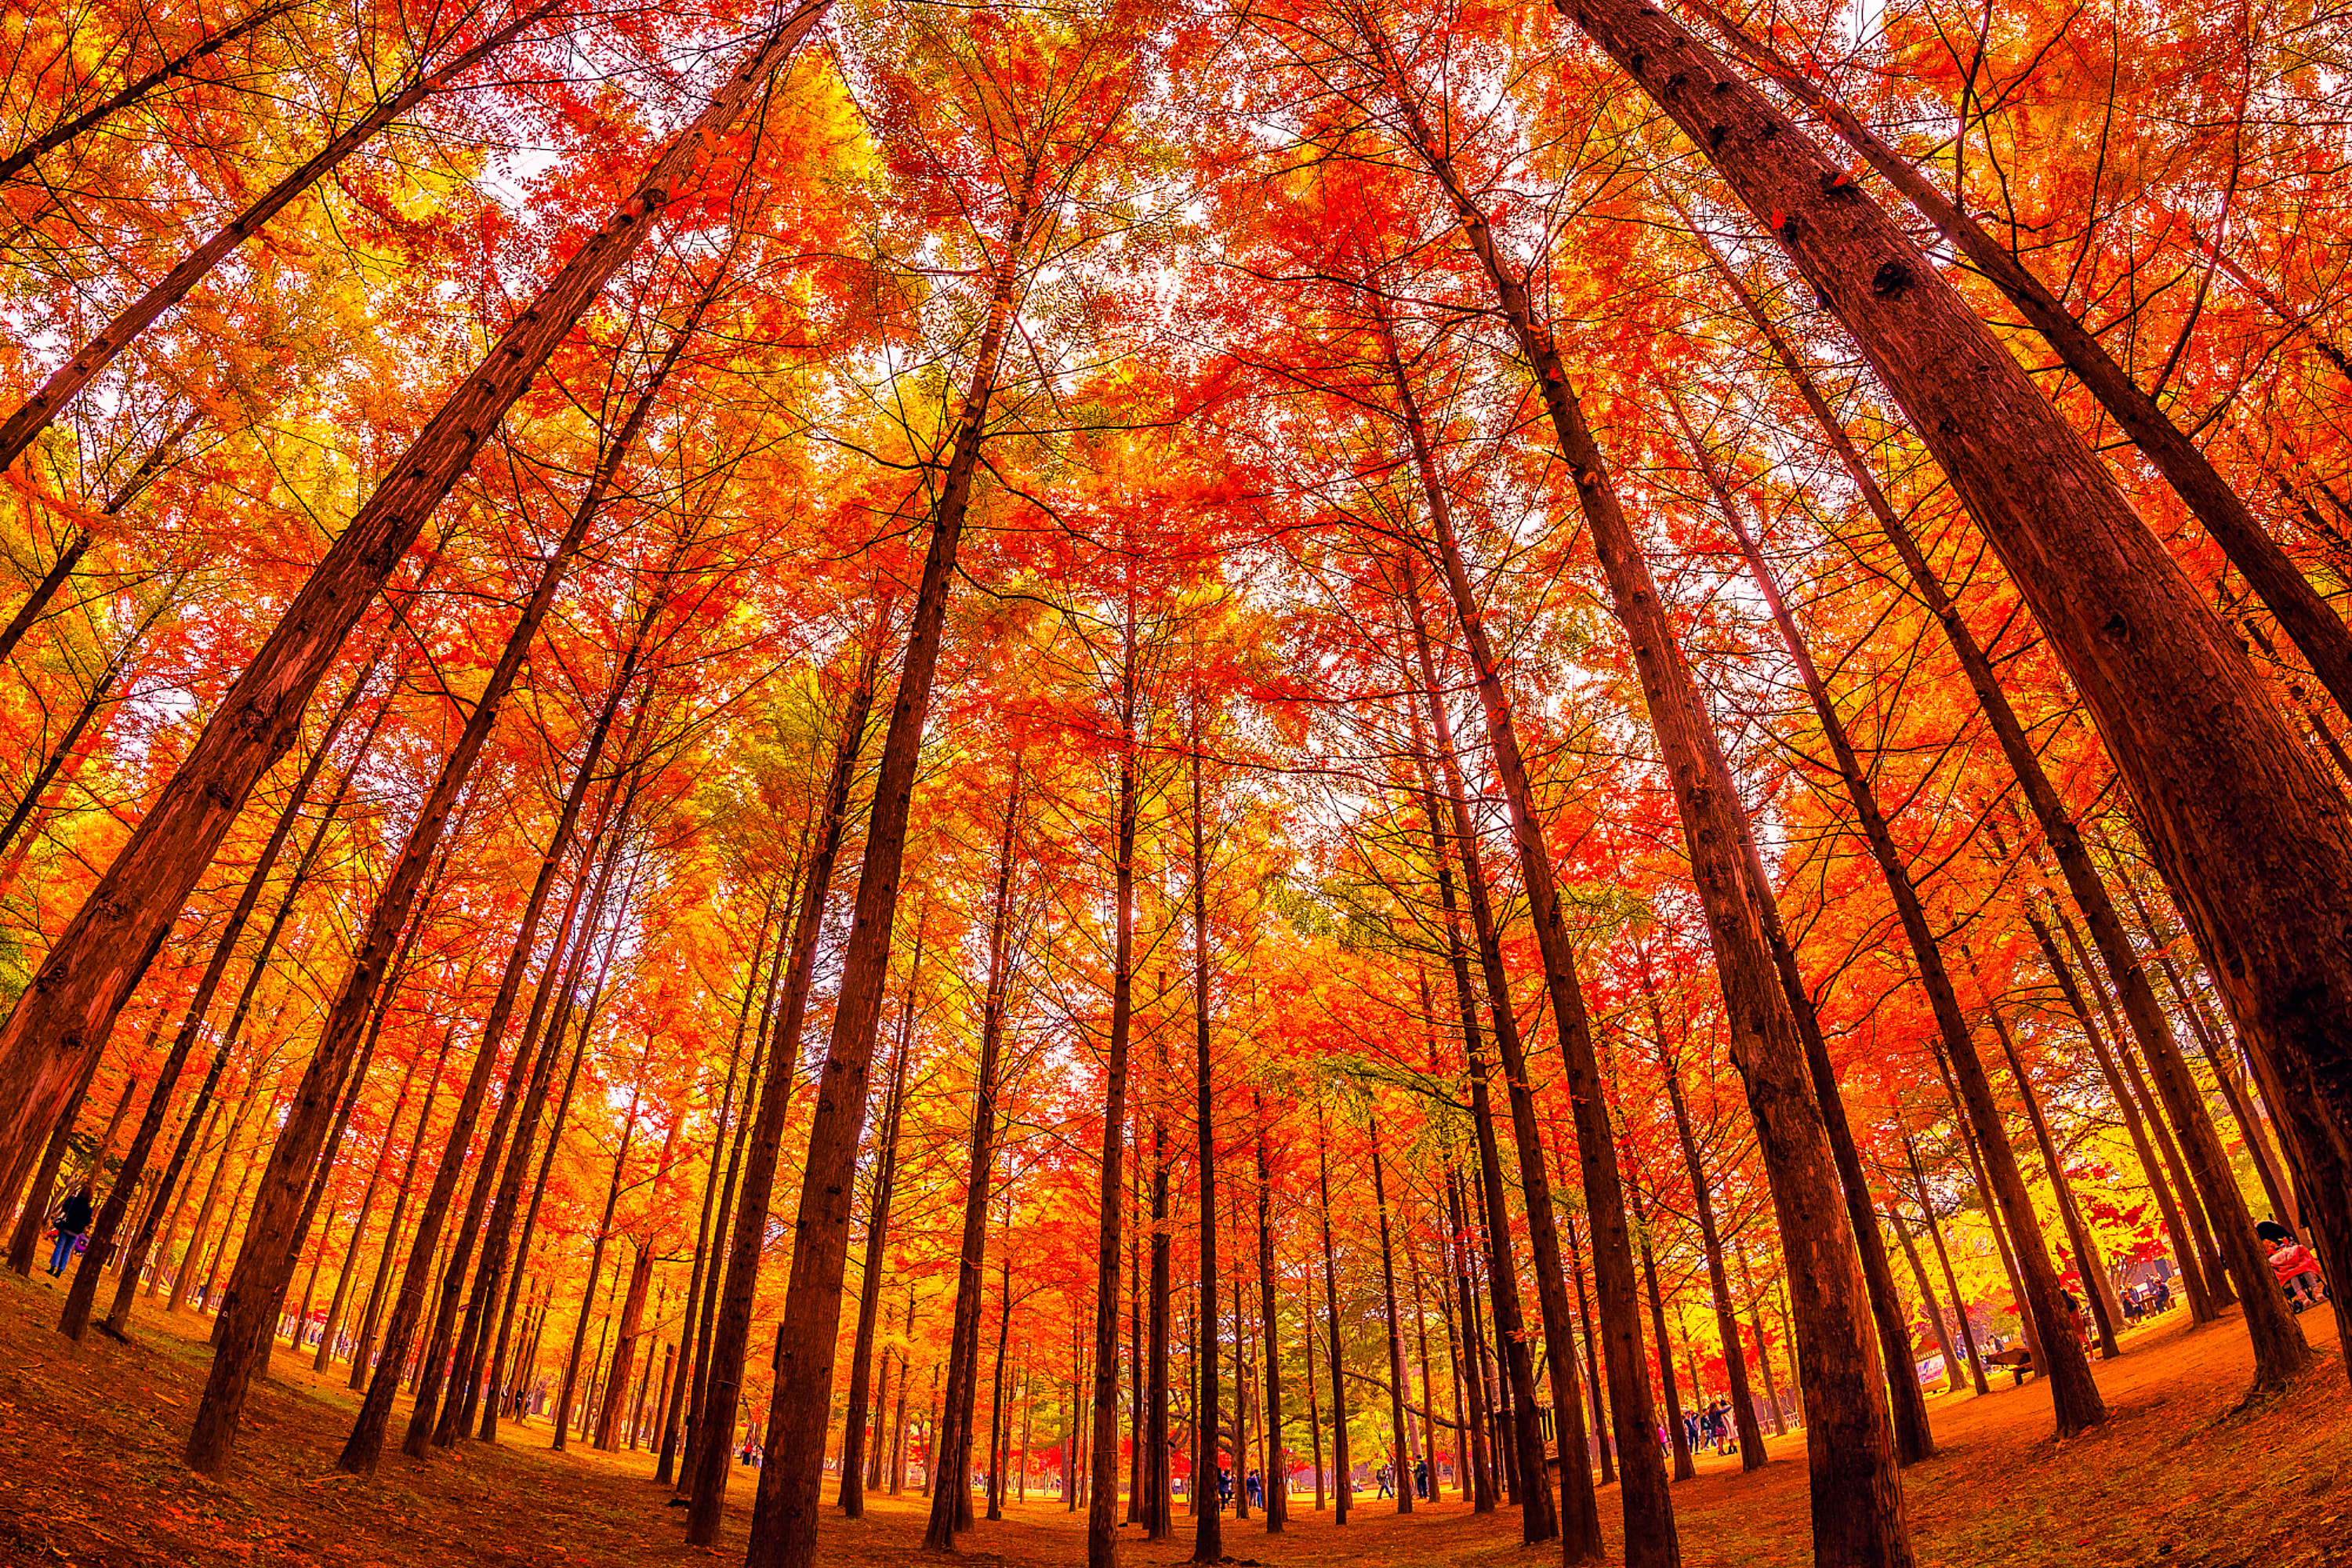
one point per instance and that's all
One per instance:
(72, 1220)
(1421, 1477)
(1386, 1475)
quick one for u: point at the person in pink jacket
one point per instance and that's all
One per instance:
(2297, 1270)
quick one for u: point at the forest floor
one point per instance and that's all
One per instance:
(91, 1475)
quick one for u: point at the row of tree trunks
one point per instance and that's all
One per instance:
(2075, 1400)
(1735, 1360)
(785, 1518)
(855, 1476)
(1580, 1515)
(75, 1319)
(65, 1014)
(1650, 1536)
(480, 1341)
(2262, 869)
(952, 1503)
(730, 1314)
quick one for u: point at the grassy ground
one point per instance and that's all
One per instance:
(89, 1475)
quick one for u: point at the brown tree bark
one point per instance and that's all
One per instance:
(1537, 1516)
(1277, 1464)
(785, 1520)
(1727, 1322)
(440, 1350)
(1344, 1480)
(609, 1418)
(1578, 1509)
(1159, 1450)
(1208, 1538)
(1102, 1482)
(1928, 1303)
(2224, 515)
(595, 1269)
(2264, 871)
(347, 1274)
(76, 1317)
(728, 1314)
(364, 1446)
(98, 958)
(854, 1482)
(139, 89)
(1677, 1434)
(963, 1341)
(1400, 1444)
(718, 1191)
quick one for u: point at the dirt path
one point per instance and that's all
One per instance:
(89, 1475)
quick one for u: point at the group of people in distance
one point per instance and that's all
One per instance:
(1713, 1426)
(2146, 1300)
(1386, 1475)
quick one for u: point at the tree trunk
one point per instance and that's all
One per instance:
(1102, 1487)
(349, 1270)
(963, 1344)
(1580, 1521)
(1313, 1410)
(2263, 871)
(610, 1415)
(1278, 1464)
(1345, 1484)
(1951, 1281)
(1208, 1538)
(783, 1527)
(1400, 1446)
(1727, 1322)
(364, 1446)
(877, 1233)
(96, 962)
(1159, 1502)
(1677, 1434)
(1927, 1302)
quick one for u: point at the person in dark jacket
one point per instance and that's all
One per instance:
(72, 1219)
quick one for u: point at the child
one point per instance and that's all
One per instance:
(2298, 1273)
